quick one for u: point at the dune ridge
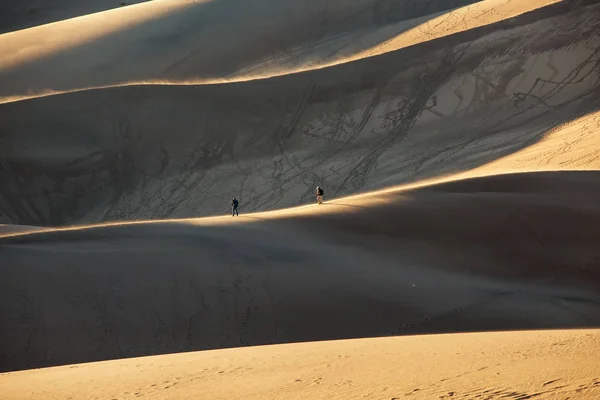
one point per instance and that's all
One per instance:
(323, 37)
(24, 14)
(245, 281)
(156, 152)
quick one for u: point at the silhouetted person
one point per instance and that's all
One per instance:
(234, 207)
(319, 194)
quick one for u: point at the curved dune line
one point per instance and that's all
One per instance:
(36, 43)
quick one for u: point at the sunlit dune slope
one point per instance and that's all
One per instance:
(519, 365)
(214, 40)
(23, 14)
(504, 252)
(462, 102)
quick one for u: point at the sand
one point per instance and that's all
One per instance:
(474, 255)
(517, 365)
(152, 152)
(167, 41)
(23, 14)
(457, 143)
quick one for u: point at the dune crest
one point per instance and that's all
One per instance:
(25, 14)
(161, 42)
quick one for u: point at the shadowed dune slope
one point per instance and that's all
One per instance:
(449, 105)
(502, 252)
(213, 40)
(491, 366)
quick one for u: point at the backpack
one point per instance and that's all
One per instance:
(320, 192)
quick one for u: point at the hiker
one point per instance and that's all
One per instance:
(319, 194)
(234, 207)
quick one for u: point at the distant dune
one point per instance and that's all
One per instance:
(204, 41)
(23, 14)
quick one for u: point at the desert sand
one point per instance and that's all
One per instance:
(438, 108)
(518, 365)
(172, 41)
(458, 144)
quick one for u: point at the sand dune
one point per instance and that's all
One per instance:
(483, 366)
(458, 145)
(23, 14)
(175, 41)
(439, 108)
(504, 252)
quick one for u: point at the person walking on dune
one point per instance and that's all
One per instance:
(319, 193)
(234, 207)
